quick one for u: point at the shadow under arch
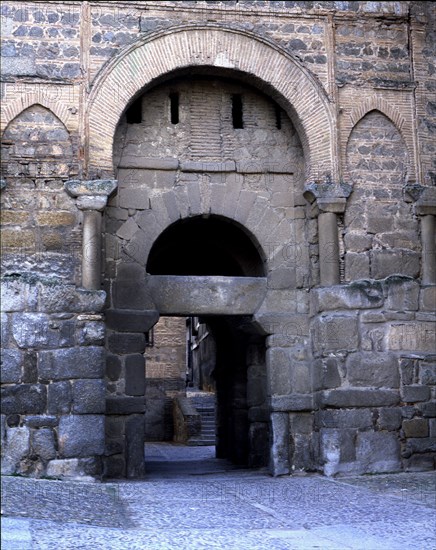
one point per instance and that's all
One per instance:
(206, 246)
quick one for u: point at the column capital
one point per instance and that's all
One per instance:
(91, 194)
(329, 197)
(424, 198)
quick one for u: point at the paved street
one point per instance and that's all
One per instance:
(189, 500)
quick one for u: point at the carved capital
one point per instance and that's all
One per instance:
(329, 197)
(424, 198)
(80, 188)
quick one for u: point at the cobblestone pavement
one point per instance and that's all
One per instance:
(189, 500)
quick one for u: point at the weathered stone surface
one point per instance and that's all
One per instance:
(207, 295)
(113, 367)
(294, 402)
(359, 398)
(135, 464)
(336, 332)
(326, 373)
(63, 364)
(11, 365)
(414, 393)
(378, 451)
(64, 468)
(192, 166)
(420, 445)
(338, 452)
(36, 330)
(427, 298)
(427, 374)
(43, 421)
(279, 457)
(42, 442)
(390, 262)
(343, 419)
(121, 343)
(60, 298)
(92, 333)
(81, 435)
(78, 188)
(357, 295)
(379, 370)
(416, 336)
(15, 446)
(88, 397)
(24, 399)
(390, 418)
(135, 375)
(18, 295)
(416, 427)
(59, 397)
(125, 405)
(130, 320)
(132, 198)
(402, 293)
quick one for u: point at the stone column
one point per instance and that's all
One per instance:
(331, 200)
(91, 199)
(425, 208)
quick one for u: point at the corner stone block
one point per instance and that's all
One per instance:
(130, 320)
(11, 363)
(64, 364)
(81, 435)
(122, 343)
(372, 369)
(88, 396)
(378, 452)
(336, 332)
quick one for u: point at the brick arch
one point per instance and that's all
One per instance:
(38, 97)
(141, 64)
(392, 114)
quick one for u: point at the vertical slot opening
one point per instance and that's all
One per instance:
(174, 107)
(237, 111)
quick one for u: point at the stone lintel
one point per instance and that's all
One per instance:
(80, 188)
(192, 166)
(150, 163)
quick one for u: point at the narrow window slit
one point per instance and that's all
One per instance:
(237, 111)
(278, 113)
(134, 112)
(174, 107)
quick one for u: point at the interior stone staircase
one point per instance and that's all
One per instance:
(204, 402)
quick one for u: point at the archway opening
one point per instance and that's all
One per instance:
(205, 246)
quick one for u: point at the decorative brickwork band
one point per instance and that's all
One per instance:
(91, 199)
(425, 207)
(330, 200)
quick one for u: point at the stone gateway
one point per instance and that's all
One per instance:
(267, 168)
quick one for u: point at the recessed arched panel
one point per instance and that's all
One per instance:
(140, 65)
